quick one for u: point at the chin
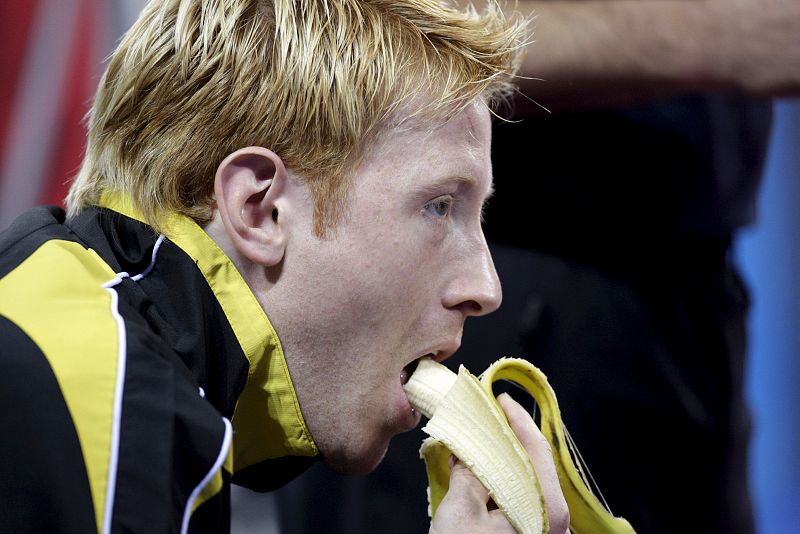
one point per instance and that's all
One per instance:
(355, 460)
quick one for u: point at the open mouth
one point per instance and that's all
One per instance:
(409, 369)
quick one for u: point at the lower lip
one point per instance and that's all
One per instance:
(408, 417)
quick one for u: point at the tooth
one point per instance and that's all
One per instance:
(467, 420)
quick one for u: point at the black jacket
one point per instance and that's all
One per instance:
(134, 378)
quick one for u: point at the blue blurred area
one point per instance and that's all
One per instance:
(769, 256)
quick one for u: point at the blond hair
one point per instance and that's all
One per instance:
(314, 81)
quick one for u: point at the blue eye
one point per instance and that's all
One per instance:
(440, 207)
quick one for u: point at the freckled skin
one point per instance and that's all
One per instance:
(393, 282)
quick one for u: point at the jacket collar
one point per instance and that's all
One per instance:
(267, 420)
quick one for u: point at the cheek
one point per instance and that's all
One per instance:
(386, 284)
(384, 311)
(389, 271)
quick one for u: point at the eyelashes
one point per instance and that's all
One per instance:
(440, 207)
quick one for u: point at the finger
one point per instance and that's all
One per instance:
(526, 430)
(463, 508)
(542, 456)
(465, 488)
(531, 438)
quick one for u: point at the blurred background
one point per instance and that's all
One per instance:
(51, 56)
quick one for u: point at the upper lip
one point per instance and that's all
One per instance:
(439, 352)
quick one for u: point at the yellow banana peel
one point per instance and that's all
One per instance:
(466, 420)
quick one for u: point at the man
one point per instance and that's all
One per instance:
(278, 213)
(616, 213)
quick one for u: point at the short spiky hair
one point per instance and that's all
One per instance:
(313, 80)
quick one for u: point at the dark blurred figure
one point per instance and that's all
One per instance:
(611, 231)
(630, 303)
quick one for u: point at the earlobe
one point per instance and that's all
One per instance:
(249, 187)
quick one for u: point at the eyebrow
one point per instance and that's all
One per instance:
(489, 195)
(458, 179)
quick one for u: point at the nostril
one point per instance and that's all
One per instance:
(474, 293)
(482, 306)
(473, 308)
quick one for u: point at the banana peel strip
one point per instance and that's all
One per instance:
(462, 409)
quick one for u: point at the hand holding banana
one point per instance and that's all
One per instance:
(466, 506)
(468, 421)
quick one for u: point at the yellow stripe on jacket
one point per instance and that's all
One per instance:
(52, 296)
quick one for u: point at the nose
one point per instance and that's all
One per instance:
(477, 290)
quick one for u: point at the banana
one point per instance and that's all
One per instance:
(466, 420)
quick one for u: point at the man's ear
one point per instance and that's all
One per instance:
(249, 188)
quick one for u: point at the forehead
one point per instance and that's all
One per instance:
(470, 129)
(458, 148)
